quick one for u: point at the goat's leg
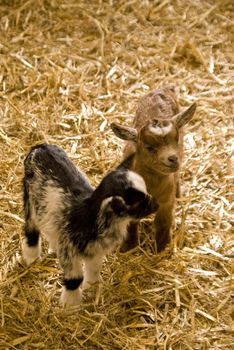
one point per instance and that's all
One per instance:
(92, 271)
(73, 277)
(178, 185)
(31, 245)
(52, 238)
(163, 224)
(131, 240)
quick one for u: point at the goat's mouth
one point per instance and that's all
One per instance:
(170, 168)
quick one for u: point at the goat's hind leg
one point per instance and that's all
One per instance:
(31, 245)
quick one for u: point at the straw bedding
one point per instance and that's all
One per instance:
(68, 69)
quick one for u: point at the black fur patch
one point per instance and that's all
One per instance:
(73, 283)
(32, 236)
(133, 196)
(54, 164)
(127, 163)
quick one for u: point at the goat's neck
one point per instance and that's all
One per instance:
(161, 186)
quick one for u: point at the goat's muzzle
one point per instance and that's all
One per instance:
(172, 164)
(144, 208)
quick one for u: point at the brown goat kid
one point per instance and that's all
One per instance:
(154, 150)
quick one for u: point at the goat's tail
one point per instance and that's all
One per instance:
(26, 199)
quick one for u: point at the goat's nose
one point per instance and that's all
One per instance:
(173, 159)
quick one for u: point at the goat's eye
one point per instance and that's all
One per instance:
(150, 148)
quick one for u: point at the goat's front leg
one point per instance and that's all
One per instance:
(73, 277)
(163, 223)
(131, 240)
(92, 271)
(177, 184)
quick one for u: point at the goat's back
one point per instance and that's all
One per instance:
(51, 163)
(158, 104)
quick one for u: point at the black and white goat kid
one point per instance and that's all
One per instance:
(81, 224)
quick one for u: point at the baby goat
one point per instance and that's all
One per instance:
(80, 224)
(154, 150)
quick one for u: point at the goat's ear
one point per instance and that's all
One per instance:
(184, 117)
(118, 205)
(124, 132)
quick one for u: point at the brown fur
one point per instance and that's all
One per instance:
(157, 157)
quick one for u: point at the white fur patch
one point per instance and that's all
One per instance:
(161, 131)
(109, 240)
(54, 201)
(122, 226)
(30, 254)
(70, 297)
(137, 181)
(54, 197)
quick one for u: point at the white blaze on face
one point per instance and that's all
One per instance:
(137, 181)
(160, 130)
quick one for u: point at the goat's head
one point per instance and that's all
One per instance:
(123, 193)
(157, 142)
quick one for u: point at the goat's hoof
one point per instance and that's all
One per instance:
(162, 246)
(125, 247)
(70, 297)
(30, 254)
